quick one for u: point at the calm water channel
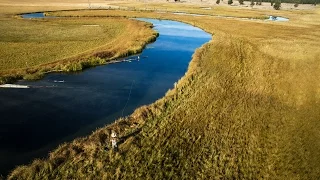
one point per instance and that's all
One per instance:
(61, 107)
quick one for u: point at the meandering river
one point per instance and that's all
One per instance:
(61, 107)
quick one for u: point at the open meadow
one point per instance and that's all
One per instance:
(247, 108)
(31, 47)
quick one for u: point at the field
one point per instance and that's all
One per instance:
(30, 48)
(247, 108)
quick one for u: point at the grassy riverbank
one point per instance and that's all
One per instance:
(30, 48)
(248, 108)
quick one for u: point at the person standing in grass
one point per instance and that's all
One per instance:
(114, 140)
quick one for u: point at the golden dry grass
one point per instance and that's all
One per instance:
(198, 9)
(248, 108)
(39, 46)
(34, 42)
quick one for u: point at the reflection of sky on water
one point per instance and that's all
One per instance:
(276, 18)
(33, 15)
(172, 43)
(177, 29)
(171, 46)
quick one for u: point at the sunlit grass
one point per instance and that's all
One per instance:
(176, 7)
(217, 11)
(248, 108)
(34, 42)
(30, 46)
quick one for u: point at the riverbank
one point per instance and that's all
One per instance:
(40, 46)
(247, 108)
(64, 106)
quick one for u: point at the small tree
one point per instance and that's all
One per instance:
(230, 2)
(218, 2)
(241, 2)
(277, 5)
(272, 2)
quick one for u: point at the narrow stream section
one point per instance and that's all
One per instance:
(62, 107)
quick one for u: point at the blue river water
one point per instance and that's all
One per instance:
(61, 106)
(33, 15)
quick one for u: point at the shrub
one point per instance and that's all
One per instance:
(34, 76)
(230, 2)
(9, 79)
(277, 5)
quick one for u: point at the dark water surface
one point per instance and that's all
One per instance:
(61, 107)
